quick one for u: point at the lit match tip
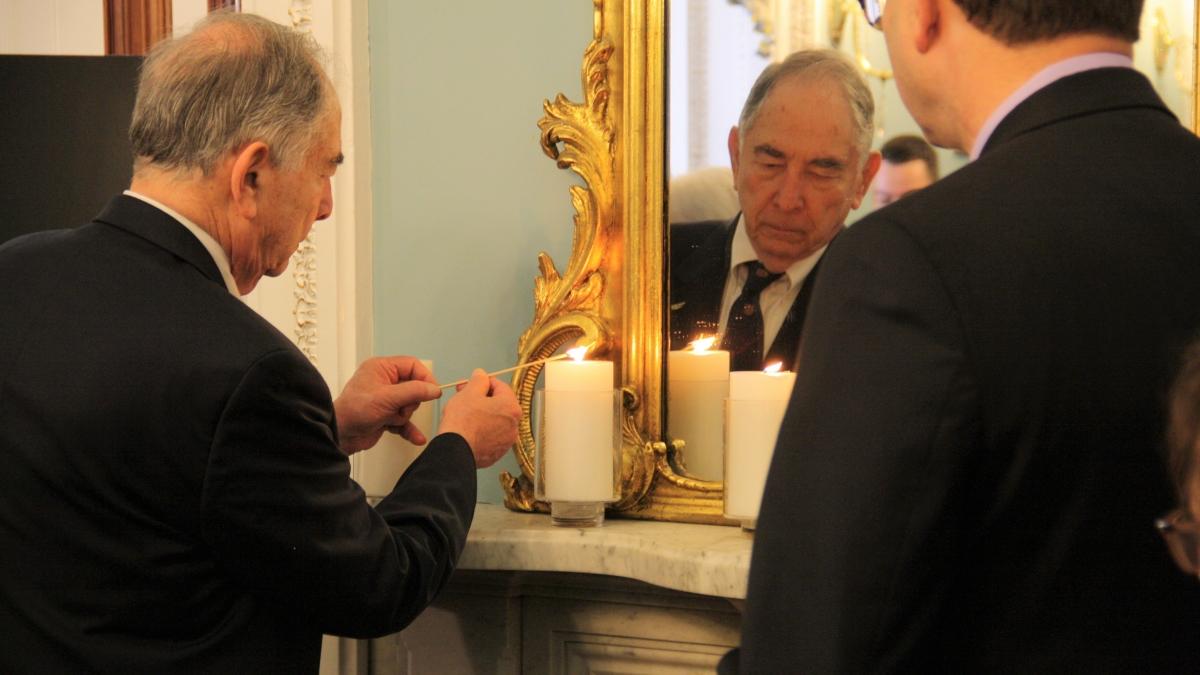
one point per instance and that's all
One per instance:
(774, 368)
(578, 353)
(703, 344)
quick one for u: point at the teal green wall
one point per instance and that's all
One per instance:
(464, 198)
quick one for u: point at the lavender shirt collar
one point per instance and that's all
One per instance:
(1048, 75)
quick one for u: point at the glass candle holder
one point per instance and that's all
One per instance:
(577, 462)
(753, 413)
(697, 385)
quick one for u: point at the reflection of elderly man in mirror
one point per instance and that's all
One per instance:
(909, 164)
(801, 161)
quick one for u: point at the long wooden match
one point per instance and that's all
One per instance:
(509, 370)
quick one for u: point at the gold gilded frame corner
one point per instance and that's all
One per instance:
(612, 291)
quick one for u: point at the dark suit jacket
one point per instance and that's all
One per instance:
(172, 497)
(699, 265)
(968, 473)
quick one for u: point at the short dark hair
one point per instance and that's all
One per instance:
(1183, 422)
(1021, 21)
(906, 148)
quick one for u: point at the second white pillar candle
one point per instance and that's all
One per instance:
(757, 403)
(697, 384)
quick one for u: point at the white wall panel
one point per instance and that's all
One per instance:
(74, 27)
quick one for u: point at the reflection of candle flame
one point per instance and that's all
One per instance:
(578, 353)
(703, 344)
(774, 368)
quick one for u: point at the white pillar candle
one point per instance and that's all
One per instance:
(579, 426)
(379, 468)
(754, 412)
(697, 385)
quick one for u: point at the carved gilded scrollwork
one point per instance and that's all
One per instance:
(568, 307)
(612, 291)
(786, 25)
(762, 13)
(840, 13)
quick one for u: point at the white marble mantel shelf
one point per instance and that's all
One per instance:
(709, 560)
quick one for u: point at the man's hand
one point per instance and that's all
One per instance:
(382, 395)
(485, 412)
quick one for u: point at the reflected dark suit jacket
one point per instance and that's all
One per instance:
(172, 497)
(968, 473)
(699, 267)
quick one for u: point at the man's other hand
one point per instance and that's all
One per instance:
(382, 395)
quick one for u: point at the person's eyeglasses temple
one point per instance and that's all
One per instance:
(873, 10)
(1182, 536)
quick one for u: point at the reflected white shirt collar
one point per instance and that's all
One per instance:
(214, 249)
(742, 251)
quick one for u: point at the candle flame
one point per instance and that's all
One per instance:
(774, 368)
(578, 353)
(703, 344)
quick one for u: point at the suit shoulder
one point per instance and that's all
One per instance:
(34, 243)
(692, 234)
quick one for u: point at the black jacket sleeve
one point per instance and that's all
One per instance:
(287, 521)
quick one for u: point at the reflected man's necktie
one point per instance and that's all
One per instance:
(744, 328)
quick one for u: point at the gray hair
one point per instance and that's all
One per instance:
(234, 79)
(817, 63)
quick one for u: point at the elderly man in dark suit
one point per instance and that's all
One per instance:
(801, 156)
(968, 472)
(176, 493)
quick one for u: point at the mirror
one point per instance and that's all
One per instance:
(611, 292)
(717, 48)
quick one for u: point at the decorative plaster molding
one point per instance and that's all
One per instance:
(300, 13)
(304, 272)
(304, 260)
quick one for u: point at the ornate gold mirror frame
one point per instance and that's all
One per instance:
(612, 292)
(1196, 69)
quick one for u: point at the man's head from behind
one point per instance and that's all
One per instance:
(1016, 22)
(951, 57)
(242, 106)
(801, 154)
(909, 164)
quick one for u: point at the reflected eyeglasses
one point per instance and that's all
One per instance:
(1182, 535)
(873, 9)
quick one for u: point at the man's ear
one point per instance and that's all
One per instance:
(928, 15)
(245, 184)
(733, 151)
(870, 168)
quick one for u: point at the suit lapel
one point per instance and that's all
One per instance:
(699, 266)
(143, 220)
